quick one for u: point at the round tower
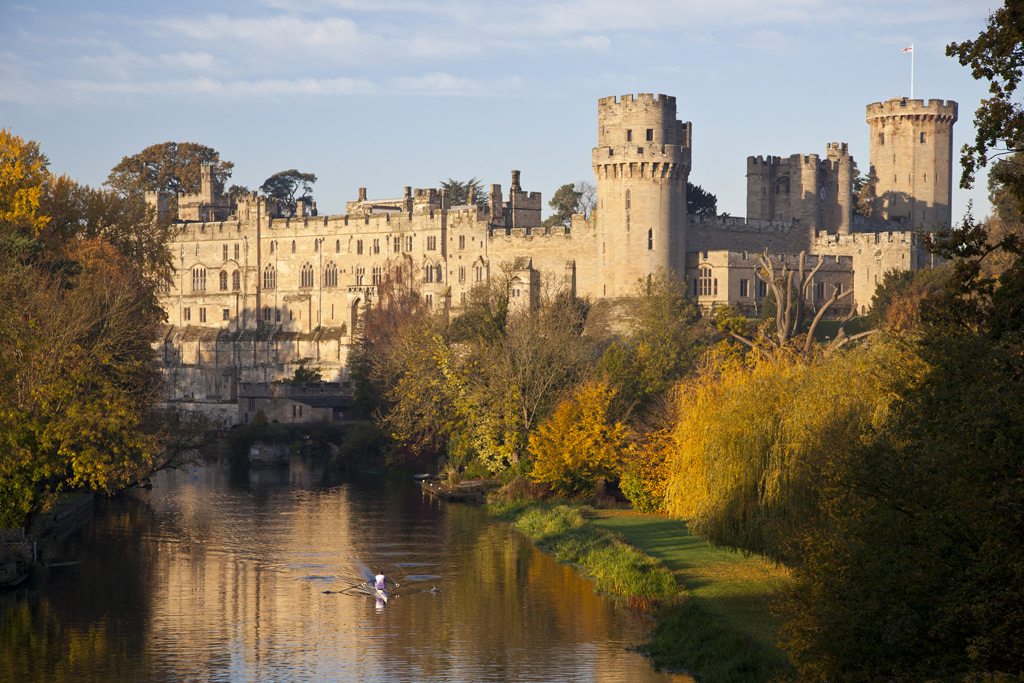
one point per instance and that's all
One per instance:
(912, 160)
(642, 162)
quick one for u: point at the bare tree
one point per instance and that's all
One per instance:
(791, 290)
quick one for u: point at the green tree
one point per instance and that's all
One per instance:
(459, 192)
(996, 56)
(288, 187)
(863, 191)
(700, 202)
(667, 337)
(170, 167)
(236, 192)
(918, 573)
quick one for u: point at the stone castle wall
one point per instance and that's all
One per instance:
(257, 295)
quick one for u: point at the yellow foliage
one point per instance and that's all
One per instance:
(750, 442)
(579, 444)
(22, 176)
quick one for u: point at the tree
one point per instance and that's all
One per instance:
(997, 56)
(700, 202)
(569, 199)
(459, 192)
(78, 314)
(170, 167)
(285, 185)
(23, 173)
(918, 573)
(667, 336)
(580, 443)
(790, 290)
(863, 191)
(77, 380)
(236, 192)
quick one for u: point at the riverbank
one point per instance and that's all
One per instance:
(715, 620)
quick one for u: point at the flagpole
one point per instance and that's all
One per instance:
(911, 71)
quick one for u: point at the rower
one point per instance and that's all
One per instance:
(380, 580)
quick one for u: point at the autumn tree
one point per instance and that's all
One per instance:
(170, 167)
(23, 173)
(918, 573)
(77, 317)
(288, 187)
(579, 443)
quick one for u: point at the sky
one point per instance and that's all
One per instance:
(387, 93)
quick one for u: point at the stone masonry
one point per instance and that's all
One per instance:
(256, 295)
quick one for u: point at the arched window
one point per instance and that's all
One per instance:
(331, 275)
(293, 246)
(273, 244)
(438, 274)
(307, 275)
(266, 314)
(199, 279)
(269, 277)
(224, 278)
(627, 200)
(377, 275)
(236, 281)
(705, 281)
(337, 246)
(428, 274)
(650, 239)
(360, 275)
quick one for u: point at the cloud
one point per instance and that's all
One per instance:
(225, 89)
(447, 84)
(598, 43)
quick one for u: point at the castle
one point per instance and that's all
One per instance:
(256, 294)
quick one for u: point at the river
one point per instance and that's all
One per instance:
(214, 576)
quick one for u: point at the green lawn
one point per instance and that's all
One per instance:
(734, 589)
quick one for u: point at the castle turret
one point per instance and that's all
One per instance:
(912, 160)
(642, 162)
(841, 167)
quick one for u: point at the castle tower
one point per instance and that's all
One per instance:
(912, 160)
(642, 162)
(206, 184)
(840, 165)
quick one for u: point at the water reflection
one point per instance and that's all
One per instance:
(209, 577)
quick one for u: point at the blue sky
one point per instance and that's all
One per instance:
(390, 93)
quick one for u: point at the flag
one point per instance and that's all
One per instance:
(908, 49)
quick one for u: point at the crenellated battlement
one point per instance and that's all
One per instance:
(837, 150)
(945, 110)
(868, 239)
(641, 99)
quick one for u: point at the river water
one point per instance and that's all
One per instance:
(214, 576)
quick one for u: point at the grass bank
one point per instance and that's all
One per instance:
(712, 605)
(726, 631)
